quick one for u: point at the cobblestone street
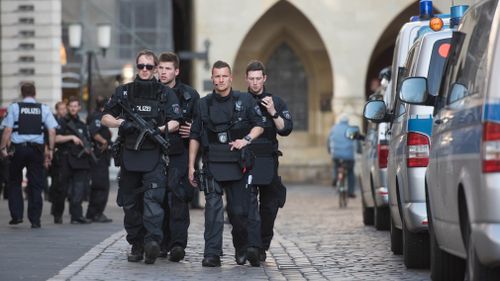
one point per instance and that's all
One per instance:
(314, 240)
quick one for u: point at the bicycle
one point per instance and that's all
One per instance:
(342, 184)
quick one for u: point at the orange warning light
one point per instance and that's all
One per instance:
(436, 24)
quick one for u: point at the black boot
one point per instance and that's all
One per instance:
(151, 251)
(262, 255)
(176, 254)
(211, 261)
(241, 257)
(253, 256)
(136, 254)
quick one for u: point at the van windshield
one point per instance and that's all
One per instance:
(439, 56)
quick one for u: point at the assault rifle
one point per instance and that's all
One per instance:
(87, 145)
(145, 128)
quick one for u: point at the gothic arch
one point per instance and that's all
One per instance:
(297, 33)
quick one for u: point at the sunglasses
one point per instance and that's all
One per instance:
(141, 66)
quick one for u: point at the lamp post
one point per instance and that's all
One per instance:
(75, 42)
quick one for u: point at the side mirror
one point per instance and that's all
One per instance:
(414, 90)
(375, 111)
(352, 132)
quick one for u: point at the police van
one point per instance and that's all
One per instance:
(462, 181)
(375, 202)
(409, 146)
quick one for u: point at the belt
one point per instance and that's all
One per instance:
(28, 144)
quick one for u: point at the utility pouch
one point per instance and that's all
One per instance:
(224, 164)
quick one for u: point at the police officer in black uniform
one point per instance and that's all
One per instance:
(277, 120)
(143, 177)
(55, 166)
(74, 165)
(179, 192)
(99, 171)
(225, 122)
(24, 133)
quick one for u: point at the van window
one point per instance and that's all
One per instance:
(439, 56)
(469, 69)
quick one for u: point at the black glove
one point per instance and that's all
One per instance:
(126, 127)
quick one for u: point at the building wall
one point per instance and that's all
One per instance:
(30, 48)
(340, 41)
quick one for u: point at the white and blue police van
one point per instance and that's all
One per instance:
(463, 177)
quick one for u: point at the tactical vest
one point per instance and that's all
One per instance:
(30, 119)
(147, 99)
(265, 149)
(177, 144)
(224, 164)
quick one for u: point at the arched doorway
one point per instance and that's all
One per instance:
(384, 49)
(299, 71)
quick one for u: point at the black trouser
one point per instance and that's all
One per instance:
(270, 197)
(179, 193)
(4, 176)
(99, 187)
(141, 195)
(72, 183)
(31, 157)
(243, 213)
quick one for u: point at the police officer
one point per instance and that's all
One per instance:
(99, 171)
(72, 140)
(225, 122)
(54, 168)
(24, 132)
(180, 192)
(277, 120)
(143, 177)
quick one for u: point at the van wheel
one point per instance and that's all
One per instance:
(396, 239)
(382, 218)
(475, 270)
(367, 214)
(415, 248)
(444, 266)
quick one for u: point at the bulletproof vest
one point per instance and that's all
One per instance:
(146, 99)
(235, 127)
(185, 100)
(177, 144)
(224, 164)
(30, 119)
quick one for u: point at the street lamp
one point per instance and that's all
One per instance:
(75, 32)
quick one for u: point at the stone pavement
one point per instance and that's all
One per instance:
(314, 240)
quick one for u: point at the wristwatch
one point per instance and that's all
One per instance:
(248, 138)
(276, 115)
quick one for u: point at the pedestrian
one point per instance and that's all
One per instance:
(225, 122)
(55, 165)
(277, 121)
(23, 134)
(74, 153)
(143, 180)
(179, 191)
(341, 149)
(99, 171)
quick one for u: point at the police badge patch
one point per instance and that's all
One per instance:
(238, 106)
(257, 110)
(222, 137)
(176, 108)
(98, 123)
(287, 115)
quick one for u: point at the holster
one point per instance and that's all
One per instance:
(207, 183)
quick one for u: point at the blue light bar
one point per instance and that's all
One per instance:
(425, 9)
(457, 12)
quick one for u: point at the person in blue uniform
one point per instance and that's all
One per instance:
(23, 134)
